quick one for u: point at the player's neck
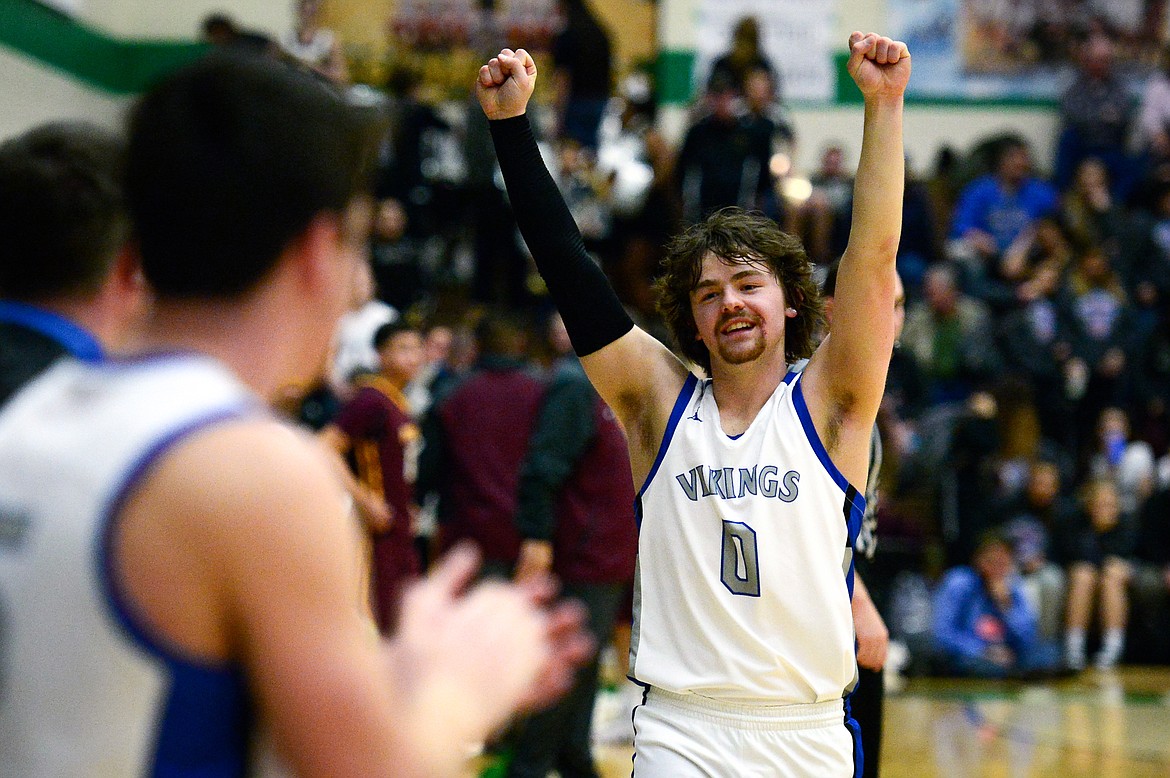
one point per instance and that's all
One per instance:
(741, 391)
(240, 336)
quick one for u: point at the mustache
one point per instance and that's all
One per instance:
(729, 317)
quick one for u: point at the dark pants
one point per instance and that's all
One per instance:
(866, 707)
(559, 737)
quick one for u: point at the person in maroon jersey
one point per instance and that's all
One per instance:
(376, 432)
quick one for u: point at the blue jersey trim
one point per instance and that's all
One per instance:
(854, 728)
(676, 413)
(204, 727)
(75, 339)
(810, 432)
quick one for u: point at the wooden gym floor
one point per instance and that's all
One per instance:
(1098, 725)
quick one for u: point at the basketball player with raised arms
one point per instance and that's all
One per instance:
(178, 569)
(751, 480)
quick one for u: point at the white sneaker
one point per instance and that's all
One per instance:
(1107, 658)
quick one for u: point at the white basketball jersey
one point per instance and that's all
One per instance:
(745, 561)
(85, 688)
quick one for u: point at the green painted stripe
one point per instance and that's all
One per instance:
(93, 57)
(673, 71)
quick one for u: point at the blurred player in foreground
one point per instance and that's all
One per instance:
(178, 567)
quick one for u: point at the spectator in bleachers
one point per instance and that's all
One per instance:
(644, 233)
(823, 219)
(1097, 113)
(583, 58)
(1033, 262)
(1129, 463)
(396, 257)
(1151, 369)
(761, 98)
(1030, 518)
(314, 45)
(969, 470)
(723, 161)
(1154, 118)
(949, 333)
(943, 187)
(921, 243)
(745, 55)
(983, 624)
(1036, 339)
(587, 192)
(411, 153)
(1151, 580)
(1096, 546)
(1091, 214)
(1021, 440)
(996, 207)
(1105, 332)
(1144, 261)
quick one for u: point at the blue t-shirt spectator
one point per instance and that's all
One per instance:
(1001, 211)
(983, 624)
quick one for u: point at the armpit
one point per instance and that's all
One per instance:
(839, 412)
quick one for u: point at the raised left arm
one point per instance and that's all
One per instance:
(845, 378)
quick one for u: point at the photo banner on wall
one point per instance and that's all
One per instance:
(1018, 49)
(796, 38)
(71, 7)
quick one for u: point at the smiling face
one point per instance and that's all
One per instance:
(739, 310)
(745, 240)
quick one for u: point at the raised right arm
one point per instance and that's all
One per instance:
(636, 375)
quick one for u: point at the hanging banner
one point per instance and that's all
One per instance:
(795, 35)
(1018, 49)
(71, 7)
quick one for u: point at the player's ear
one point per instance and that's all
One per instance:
(315, 249)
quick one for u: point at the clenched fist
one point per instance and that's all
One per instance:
(505, 84)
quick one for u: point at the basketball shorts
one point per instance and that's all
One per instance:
(686, 736)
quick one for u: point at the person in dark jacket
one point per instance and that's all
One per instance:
(582, 54)
(576, 520)
(724, 160)
(69, 285)
(1151, 580)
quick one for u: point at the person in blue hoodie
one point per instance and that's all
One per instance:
(983, 624)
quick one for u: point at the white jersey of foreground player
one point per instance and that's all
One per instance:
(85, 688)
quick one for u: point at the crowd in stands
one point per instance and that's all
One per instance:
(1026, 423)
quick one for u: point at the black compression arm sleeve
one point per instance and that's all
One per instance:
(594, 317)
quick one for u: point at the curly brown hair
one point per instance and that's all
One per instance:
(738, 237)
